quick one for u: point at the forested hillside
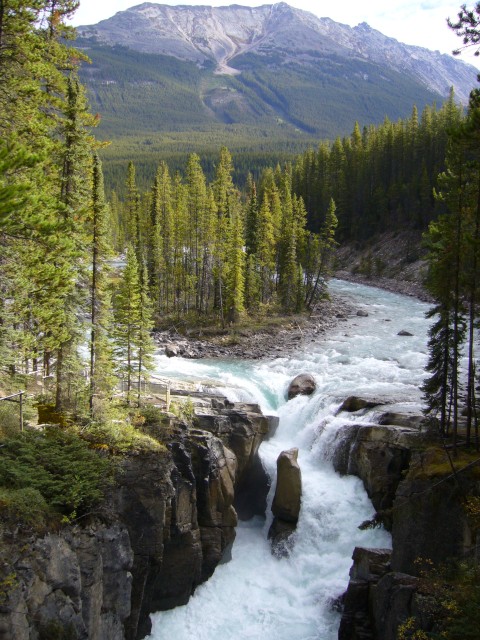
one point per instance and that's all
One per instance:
(381, 178)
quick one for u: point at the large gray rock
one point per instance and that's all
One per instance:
(288, 492)
(393, 602)
(287, 502)
(378, 455)
(76, 583)
(369, 566)
(172, 350)
(429, 520)
(356, 403)
(242, 427)
(378, 600)
(304, 384)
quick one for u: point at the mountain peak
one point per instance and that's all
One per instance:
(221, 35)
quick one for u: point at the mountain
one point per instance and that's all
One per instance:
(264, 78)
(203, 34)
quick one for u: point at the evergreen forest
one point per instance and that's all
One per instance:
(89, 267)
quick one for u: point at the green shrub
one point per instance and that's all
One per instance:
(152, 415)
(450, 601)
(9, 419)
(120, 437)
(59, 465)
(184, 410)
(26, 505)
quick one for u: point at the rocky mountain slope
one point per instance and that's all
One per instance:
(223, 34)
(274, 72)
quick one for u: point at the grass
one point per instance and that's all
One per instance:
(435, 463)
(120, 437)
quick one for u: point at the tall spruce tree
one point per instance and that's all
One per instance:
(133, 346)
(101, 354)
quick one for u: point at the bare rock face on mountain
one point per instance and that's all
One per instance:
(221, 35)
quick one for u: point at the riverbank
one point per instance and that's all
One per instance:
(395, 261)
(279, 337)
(270, 340)
(414, 289)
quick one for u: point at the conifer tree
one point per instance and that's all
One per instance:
(101, 355)
(73, 202)
(133, 214)
(144, 341)
(127, 315)
(320, 256)
(447, 245)
(133, 344)
(235, 275)
(227, 206)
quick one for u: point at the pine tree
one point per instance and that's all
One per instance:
(144, 341)
(235, 275)
(133, 323)
(127, 313)
(321, 251)
(133, 215)
(446, 240)
(101, 355)
(265, 251)
(73, 204)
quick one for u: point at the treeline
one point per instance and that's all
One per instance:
(381, 178)
(175, 149)
(55, 288)
(454, 281)
(192, 246)
(207, 251)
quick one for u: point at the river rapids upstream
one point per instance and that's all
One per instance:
(256, 595)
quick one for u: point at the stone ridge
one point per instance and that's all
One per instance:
(204, 34)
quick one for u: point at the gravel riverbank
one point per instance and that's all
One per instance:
(269, 342)
(276, 340)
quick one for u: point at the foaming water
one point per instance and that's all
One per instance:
(256, 595)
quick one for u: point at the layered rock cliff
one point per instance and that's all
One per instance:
(167, 522)
(420, 495)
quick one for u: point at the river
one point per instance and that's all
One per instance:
(257, 596)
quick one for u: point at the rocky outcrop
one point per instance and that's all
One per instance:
(369, 565)
(356, 403)
(378, 455)
(242, 427)
(166, 524)
(424, 505)
(378, 600)
(304, 384)
(76, 583)
(286, 502)
(411, 484)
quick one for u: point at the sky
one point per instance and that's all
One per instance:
(422, 23)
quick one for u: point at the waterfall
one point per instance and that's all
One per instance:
(257, 595)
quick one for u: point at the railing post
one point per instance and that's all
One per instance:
(167, 397)
(21, 410)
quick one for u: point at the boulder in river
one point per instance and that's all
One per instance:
(286, 503)
(355, 403)
(404, 333)
(362, 313)
(171, 350)
(304, 384)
